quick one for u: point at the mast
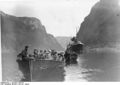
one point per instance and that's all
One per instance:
(76, 31)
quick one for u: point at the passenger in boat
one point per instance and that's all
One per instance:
(74, 40)
(40, 54)
(24, 53)
(31, 57)
(47, 54)
(44, 54)
(61, 56)
(67, 57)
(36, 54)
(54, 54)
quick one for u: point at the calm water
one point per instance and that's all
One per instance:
(95, 66)
(92, 66)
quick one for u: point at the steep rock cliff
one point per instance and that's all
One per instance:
(16, 32)
(101, 26)
(20, 31)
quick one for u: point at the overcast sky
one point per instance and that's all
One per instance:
(60, 17)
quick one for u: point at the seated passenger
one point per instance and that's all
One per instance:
(35, 54)
(54, 54)
(40, 54)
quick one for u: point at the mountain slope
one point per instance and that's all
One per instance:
(63, 41)
(16, 32)
(101, 26)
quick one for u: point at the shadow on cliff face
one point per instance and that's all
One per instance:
(10, 71)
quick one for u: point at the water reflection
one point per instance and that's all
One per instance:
(92, 66)
(74, 73)
(106, 63)
(95, 66)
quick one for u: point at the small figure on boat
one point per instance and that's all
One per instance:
(73, 50)
(53, 54)
(60, 56)
(41, 54)
(45, 54)
(35, 53)
(24, 54)
(67, 56)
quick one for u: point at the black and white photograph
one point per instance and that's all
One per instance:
(60, 40)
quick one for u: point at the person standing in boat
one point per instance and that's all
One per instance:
(74, 40)
(24, 53)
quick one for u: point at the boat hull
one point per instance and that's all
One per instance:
(47, 70)
(42, 70)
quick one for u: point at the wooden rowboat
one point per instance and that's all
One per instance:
(41, 70)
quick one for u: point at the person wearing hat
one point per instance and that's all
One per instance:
(24, 53)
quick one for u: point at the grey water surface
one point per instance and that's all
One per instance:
(95, 66)
(91, 66)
